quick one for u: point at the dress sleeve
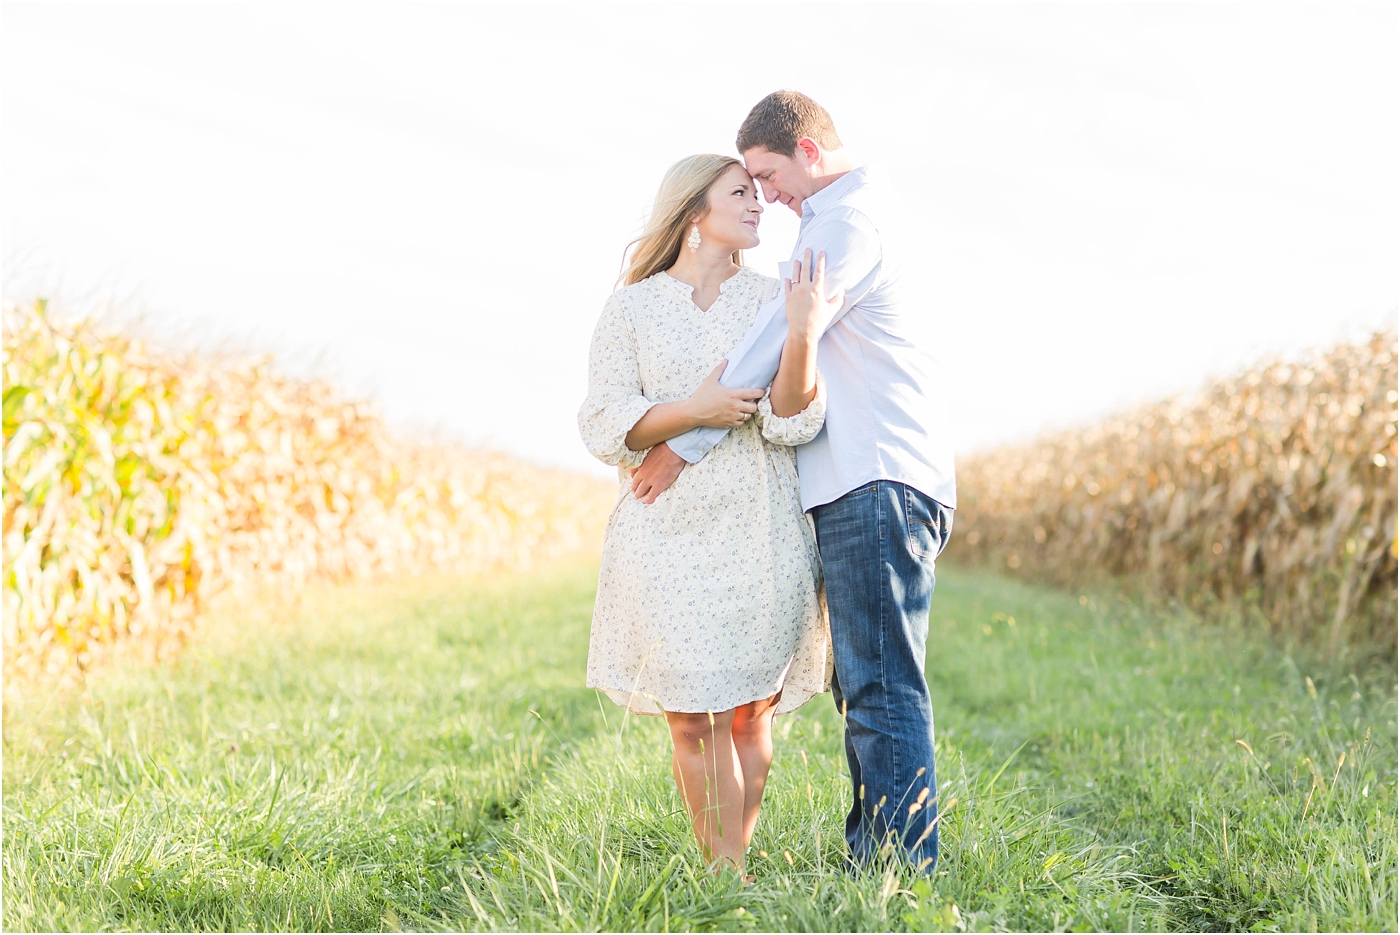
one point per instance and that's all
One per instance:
(796, 429)
(615, 401)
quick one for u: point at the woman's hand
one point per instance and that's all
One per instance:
(718, 407)
(809, 314)
(808, 310)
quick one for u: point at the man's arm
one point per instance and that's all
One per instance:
(664, 463)
(752, 363)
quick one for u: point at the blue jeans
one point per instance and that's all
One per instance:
(878, 544)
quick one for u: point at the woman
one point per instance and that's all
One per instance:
(707, 609)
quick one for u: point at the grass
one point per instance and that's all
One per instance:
(423, 756)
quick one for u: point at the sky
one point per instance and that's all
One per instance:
(429, 203)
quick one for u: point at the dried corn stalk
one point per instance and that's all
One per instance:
(137, 484)
(1277, 486)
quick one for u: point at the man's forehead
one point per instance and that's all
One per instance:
(760, 160)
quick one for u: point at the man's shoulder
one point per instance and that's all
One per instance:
(852, 214)
(870, 196)
(843, 226)
(868, 211)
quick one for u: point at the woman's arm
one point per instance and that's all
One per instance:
(713, 404)
(795, 386)
(615, 401)
(808, 312)
(797, 429)
(662, 421)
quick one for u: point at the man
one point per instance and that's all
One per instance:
(878, 480)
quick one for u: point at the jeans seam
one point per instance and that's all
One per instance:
(891, 820)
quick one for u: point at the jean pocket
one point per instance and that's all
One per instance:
(926, 524)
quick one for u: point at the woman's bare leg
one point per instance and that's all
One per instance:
(752, 731)
(710, 782)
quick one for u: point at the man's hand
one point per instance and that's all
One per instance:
(659, 471)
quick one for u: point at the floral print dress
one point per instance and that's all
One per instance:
(707, 598)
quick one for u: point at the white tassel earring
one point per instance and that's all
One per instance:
(693, 241)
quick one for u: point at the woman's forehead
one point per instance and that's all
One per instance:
(737, 173)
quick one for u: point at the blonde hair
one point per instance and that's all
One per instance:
(684, 192)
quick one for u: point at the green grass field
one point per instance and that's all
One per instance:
(424, 756)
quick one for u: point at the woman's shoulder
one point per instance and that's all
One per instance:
(760, 286)
(655, 288)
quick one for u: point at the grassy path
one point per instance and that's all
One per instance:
(424, 757)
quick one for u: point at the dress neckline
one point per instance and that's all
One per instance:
(690, 290)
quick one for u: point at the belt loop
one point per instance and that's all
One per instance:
(880, 515)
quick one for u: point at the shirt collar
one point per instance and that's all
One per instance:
(833, 193)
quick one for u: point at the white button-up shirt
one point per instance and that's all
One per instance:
(885, 409)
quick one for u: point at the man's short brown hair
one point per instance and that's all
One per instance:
(781, 119)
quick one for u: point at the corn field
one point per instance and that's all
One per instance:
(137, 484)
(1276, 488)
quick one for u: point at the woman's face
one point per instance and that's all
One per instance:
(731, 223)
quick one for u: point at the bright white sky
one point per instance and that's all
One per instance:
(429, 203)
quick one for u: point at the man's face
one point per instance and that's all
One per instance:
(787, 179)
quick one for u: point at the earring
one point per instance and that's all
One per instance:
(693, 241)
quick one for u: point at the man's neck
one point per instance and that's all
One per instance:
(831, 167)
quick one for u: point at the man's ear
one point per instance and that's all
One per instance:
(808, 150)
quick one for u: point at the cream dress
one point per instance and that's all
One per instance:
(707, 598)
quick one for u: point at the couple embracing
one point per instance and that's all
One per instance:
(787, 482)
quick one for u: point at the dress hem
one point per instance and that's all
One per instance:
(624, 697)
